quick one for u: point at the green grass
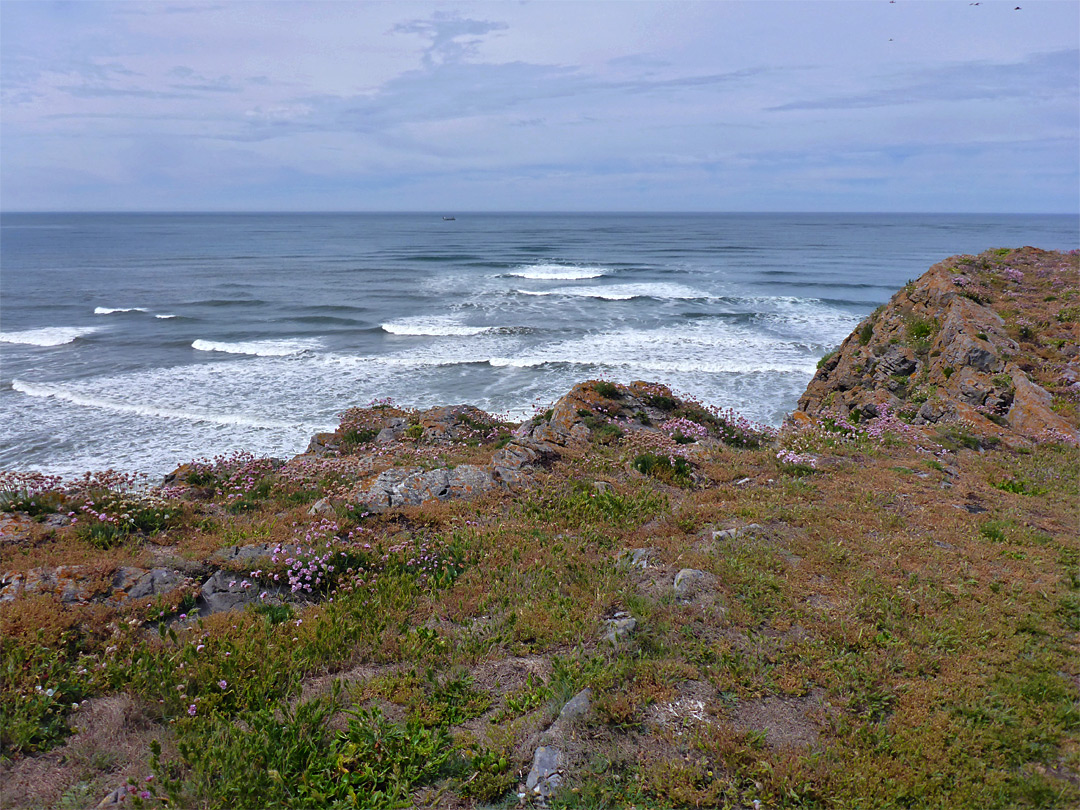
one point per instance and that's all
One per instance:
(933, 674)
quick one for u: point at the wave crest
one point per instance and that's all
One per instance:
(627, 292)
(258, 348)
(56, 392)
(557, 272)
(433, 326)
(48, 336)
(111, 310)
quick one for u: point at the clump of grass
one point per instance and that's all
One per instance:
(38, 686)
(608, 390)
(828, 356)
(294, 760)
(670, 469)
(1018, 486)
(921, 332)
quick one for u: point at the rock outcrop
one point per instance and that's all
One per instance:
(591, 412)
(948, 348)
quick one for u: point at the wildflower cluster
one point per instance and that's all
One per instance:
(684, 431)
(1054, 436)
(333, 476)
(361, 425)
(972, 288)
(637, 442)
(738, 431)
(309, 566)
(887, 427)
(109, 506)
(834, 430)
(797, 460)
(30, 492)
(239, 476)
(1025, 328)
(1012, 274)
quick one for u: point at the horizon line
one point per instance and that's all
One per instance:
(488, 212)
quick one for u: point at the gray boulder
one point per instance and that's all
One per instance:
(225, 591)
(413, 486)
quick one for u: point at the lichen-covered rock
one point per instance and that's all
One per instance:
(941, 353)
(227, 590)
(414, 486)
(455, 423)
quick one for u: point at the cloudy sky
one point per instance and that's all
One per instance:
(863, 105)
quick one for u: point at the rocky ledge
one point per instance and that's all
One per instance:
(983, 343)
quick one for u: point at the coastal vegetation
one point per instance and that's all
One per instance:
(869, 607)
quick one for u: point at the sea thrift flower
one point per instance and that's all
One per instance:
(191, 710)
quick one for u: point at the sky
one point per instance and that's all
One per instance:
(863, 105)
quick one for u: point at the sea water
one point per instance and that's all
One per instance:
(139, 341)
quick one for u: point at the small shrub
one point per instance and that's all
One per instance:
(995, 530)
(607, 390)
(1069, 314)
(672, 469)
(827, 358)
(663, 403)
(297, 762)
(490, 776)
(921, 332)
(1018, 487)
(358, 436)
(866, 332)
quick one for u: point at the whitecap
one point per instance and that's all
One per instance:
(626, 292)
(703, 348)
(557, 272)
(433, 326)
(42, 390)
(111, 310)
(48, 336)
(166, 317)
(258, 348)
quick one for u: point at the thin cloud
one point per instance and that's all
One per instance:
(1039, 76)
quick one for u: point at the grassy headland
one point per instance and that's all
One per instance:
(875, 607)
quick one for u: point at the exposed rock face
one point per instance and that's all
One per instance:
(76, 584)
(941, 352)
(411, 487)
(226, 590)
(455, 423)
(574, 421)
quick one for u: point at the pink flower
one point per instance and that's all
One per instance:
(222, 683)
(191, 710)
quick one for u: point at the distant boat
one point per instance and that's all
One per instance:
(448, 219)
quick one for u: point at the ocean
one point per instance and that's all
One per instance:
(141, 341)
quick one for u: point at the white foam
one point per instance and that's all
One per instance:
(49, 336)
(711, 347)
(433, 326)
(557, 272)
(626, 292)
(42, 390)
(165, 317)
(111, 310)
(258, 348)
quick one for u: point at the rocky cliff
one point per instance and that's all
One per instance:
(984, 343)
